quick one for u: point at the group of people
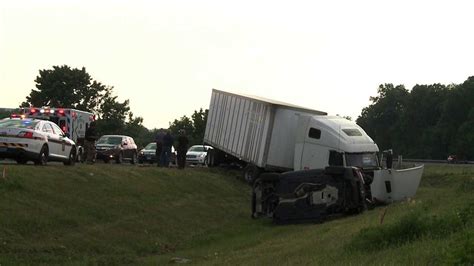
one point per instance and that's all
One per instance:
(164, 142)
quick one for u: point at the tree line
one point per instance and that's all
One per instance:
(427, 122)
(66, 87)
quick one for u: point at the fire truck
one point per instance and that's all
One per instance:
(73, 122)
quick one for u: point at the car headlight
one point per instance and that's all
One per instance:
(141, 152)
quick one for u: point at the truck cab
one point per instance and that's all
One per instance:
(323, 141)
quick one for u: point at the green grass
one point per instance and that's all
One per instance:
(122, 214)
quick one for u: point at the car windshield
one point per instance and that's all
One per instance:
(150, 146)
(364, 160)
(18, 123)
(110, 140)
(197, 148)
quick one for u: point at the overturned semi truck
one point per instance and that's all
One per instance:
(288, 149)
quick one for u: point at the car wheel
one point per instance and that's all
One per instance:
(72, 157)
(134, 158)
(119, 158)
(43, 156)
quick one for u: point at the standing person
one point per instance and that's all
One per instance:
(165, 154)
(159, 146)
(389, 159)
(182, 149)
(89, 143)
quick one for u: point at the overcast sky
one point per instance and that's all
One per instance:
(166, 56)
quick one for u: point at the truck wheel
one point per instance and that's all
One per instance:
(210, 158)
(251, 173)
(254, 214)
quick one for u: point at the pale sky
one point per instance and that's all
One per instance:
(166, 56)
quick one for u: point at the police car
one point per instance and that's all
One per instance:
(40, 141)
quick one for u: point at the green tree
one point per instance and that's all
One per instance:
(133, 127)
(418, 121)
(112, 114)
(456, 112)
(199, 123)
(381, 119)
(464, 144)
(183, 123)
(4, 113)
(68, 87)
(194, 126)
(430, 121)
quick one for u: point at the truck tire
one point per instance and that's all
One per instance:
(211, 155)
(251, 173)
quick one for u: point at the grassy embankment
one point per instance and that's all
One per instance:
(125, 214)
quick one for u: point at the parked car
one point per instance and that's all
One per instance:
(116, 147)
(148, 154)
(197, 154)
(40, 141)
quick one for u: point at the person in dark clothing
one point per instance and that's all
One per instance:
(159, 146)
(182, 149)
(389, 159)
(166, 152)
(89, 143)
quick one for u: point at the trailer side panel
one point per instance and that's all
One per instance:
(239, 126)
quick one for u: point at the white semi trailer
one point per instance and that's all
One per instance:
(269, 135)
(272, 136)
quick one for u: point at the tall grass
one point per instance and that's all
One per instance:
(121, 214)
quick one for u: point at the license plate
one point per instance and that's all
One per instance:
(3, 149)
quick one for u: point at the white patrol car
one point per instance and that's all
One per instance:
(40, 141)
